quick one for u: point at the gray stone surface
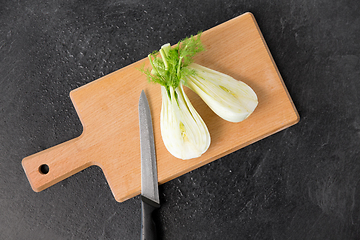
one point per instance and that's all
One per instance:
(301, 183)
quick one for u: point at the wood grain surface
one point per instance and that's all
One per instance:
(108, 110)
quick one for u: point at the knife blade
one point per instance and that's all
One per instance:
(149, 181)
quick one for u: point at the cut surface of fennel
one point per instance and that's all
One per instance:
(184, 132)
(231, 99)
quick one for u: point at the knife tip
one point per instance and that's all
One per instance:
(142, 96)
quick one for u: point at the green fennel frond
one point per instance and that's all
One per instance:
(169, 64)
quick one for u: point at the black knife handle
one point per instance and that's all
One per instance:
(148, 227)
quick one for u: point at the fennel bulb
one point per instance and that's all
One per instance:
(229, 98)
(183, 131)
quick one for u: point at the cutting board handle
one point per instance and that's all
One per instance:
(52, 165)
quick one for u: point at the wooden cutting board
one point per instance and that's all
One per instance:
(108, 110)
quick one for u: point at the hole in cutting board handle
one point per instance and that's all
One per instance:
(44, 169)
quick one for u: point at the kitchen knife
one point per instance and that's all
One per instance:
(149, 180)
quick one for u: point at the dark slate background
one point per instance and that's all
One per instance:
(301, 183)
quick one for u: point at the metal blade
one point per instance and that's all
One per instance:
(149, 179)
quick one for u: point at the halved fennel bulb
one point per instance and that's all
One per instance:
(229, 98)
(184, 133)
